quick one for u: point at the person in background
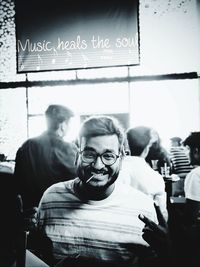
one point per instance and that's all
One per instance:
(192, 180)
(187, 232)
(157, 153)
(180, 164)
(92, 217)
(185, 226)
(136, 171)
(192, 195)
(46, 159)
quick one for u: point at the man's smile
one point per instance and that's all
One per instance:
(98, 175)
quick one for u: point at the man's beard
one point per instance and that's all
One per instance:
(84, 173)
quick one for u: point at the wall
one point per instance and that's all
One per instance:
(169, 38)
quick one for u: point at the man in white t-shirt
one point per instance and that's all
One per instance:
(137, 172)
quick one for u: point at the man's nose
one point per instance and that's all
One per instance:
(98, 164)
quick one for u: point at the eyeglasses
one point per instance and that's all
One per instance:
(107, 158)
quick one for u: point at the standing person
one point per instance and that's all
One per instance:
(93, 217)
(46, 159)
(137, 172)
(180, 164)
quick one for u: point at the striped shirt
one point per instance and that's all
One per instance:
(180, 161)
(94, 229)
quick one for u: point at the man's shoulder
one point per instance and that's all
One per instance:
(31, 141)
(195, 171)
(133, 163)
(59, 188)
(57, 192)
(139, 167)
(132, 159)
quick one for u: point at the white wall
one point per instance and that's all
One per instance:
(169, 36)
(171, 107)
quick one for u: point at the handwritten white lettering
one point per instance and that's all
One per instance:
(100, 43)
(34, 46)
(125, 42)
(72, 45)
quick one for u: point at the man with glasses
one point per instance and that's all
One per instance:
(91, 218)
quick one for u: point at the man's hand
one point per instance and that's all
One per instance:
(157, 235)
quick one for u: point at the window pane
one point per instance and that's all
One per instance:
(171, 107)
(83, 99)
(111, 98)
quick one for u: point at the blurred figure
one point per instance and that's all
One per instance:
(180, 164)
(192, 181)
(137, 172)
(46, 159)
(157, 153)
(188, 230)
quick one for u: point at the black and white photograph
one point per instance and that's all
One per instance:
(100, 133)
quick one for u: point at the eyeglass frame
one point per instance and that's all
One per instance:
(99, 155)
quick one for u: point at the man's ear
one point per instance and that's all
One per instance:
(61, 127)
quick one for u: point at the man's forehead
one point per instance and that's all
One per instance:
(103, 141)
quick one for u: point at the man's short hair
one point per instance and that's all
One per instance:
(193, 140)
(57, 114)
(138, 138)
(100, 126)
